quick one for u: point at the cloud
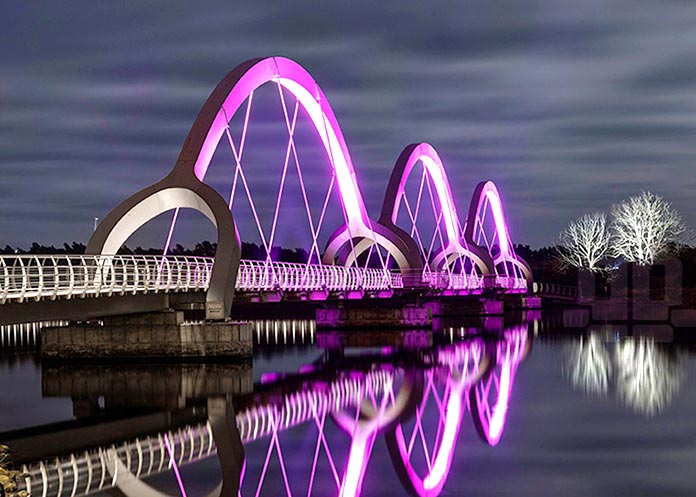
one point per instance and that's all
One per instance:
(569, 106)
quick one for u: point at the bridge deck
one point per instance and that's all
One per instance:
(49, 277)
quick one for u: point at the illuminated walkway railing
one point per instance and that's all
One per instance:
(107, 467)
(291, 276)
(38, 277)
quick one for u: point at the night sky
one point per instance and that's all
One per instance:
(569, 106)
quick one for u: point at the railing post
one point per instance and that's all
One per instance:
(40, 283)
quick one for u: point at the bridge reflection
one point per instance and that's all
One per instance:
(331, 412)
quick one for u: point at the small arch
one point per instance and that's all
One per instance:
(167, 195)
(488, 191)
(435, 168)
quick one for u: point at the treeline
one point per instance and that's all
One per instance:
(203, 249)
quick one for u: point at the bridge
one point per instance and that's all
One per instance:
(419, 240)
(356, 398)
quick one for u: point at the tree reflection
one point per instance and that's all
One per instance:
(643, 376)
(647, 378)
(590, 366)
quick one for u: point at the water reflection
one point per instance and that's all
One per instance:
(416, 398)
(641, 373)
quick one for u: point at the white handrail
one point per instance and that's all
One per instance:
(35, 277)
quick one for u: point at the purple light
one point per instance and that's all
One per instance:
(425, 153)
(302, 86)
(490, 191)
(170, 451)
(491, 420)
(469, 357)
(359, 455)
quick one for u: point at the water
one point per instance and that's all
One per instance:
(518, 411)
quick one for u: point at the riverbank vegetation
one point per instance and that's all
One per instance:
(9, 478)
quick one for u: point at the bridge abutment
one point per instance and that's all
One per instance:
(373, 314)
(465, 306)
(159, 334)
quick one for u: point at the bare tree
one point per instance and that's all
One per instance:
(644, 227)
(585, 242)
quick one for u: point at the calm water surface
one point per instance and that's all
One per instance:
(515, 412)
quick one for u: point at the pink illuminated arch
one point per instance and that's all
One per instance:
(374, 420)
(226, 100)
(194, 159)
(486, 195)
(231, 93)
(428, 156)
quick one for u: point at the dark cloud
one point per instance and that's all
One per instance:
(568, 106)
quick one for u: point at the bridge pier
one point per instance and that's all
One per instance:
(523, 302)
(373, 314)
(465, 306)
(159, 334)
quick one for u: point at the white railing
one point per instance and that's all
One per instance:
(511, 283)
(452, 281)
(36, 277)
(292, 276)
(102, 468)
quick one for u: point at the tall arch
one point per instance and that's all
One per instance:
(224, 102)
(465, 367)
(489, 399)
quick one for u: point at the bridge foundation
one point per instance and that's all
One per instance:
(522, 302)
(465, 306)
(160, 334)
(374, 315)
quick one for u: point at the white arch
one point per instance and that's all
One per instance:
(171, 193)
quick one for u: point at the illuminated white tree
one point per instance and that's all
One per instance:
(646, 377)
(644, 227)
(585, 242)
(590, 366)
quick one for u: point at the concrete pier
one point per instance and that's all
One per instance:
(522, 302)
(159, 334)
(373, 315)
(465, 306)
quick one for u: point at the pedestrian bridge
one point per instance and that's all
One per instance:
(419, 241)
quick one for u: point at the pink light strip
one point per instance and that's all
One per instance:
(171, 232)
(170, 451)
